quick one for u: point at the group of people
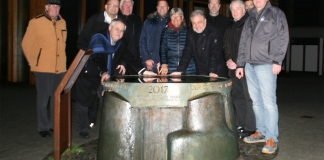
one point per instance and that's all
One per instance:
(248, 49)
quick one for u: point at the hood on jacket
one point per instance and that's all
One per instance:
(155, 15)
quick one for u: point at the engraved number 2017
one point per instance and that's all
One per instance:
(158, 89)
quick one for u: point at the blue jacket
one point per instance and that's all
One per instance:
(150, 38)
(172, 45)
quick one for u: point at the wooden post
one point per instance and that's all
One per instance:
(62, 104)
(12, 40)
(141, 12)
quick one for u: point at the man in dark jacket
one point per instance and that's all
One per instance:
(203, 42)
(215, 19)
(151, 36)
(84, 92)
(98, 23)
(262, 48)
(133, 30)
(240, 96)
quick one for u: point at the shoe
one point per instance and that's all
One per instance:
(51, 130)
(44, 134)
(84, 135)
(270, 147)
(245, 134)
(254, 138)
(92, 125)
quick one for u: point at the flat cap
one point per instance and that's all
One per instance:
(58, 2)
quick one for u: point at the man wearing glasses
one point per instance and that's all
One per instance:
(98, 23)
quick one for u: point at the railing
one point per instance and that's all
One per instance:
(62, 104)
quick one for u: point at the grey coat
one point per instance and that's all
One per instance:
(264, 38)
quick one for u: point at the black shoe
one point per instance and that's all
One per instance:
(44, 134)
(51, 130)
(84, 135)
(245, 134)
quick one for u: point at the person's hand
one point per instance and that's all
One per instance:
(213, 76)
(149, 73)
(276, 68)
(176, 73)
(105, 76)
(149, 80)
(122, 69)
(163, 79)
(231, 64)
(158, 66)
(164, 69)
(149, 64)
(239, 73)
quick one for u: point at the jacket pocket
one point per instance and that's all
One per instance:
(39, 54)
(64, 35)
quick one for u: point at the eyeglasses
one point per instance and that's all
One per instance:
(113, 5)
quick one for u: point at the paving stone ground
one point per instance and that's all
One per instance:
(301, 122)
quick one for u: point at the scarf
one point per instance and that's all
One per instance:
(101, 44)
(172, 27)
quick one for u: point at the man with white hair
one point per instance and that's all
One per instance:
(203, 42)
(240, 96)
(133, 31)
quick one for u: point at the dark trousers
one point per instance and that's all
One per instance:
(242, 102)
(46, 84)
(97, 102)
(82, 120)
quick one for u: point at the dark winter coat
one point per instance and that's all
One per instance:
(219, 22)
(133, 31)
(232, 38)
(88, 82)
(95, 24)
(207, 50)
(151, 36)
(172, 45)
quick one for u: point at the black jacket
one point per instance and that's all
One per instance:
(220, 22)
(133, 32)
(232, 38)
(207, 51)
(88, 82)
(95, 24)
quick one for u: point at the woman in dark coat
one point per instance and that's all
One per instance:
(173, 40)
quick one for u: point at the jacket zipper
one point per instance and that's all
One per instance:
(54, 24)
(178, 32)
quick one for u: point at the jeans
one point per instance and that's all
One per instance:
(262, 84)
